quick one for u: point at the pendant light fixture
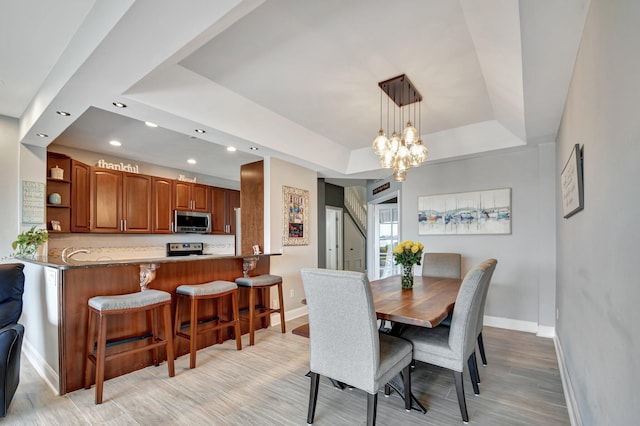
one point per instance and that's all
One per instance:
(404, 149)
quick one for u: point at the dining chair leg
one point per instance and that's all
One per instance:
(372, 408)
(481, 347)
(475, 361)
(313, 396)
(406, 376)
(457, 376)
(473, 372)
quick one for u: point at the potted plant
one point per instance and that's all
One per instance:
(28, 242)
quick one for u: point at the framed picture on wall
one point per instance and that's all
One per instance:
(296, 219)
(571, 183)
(465, 213)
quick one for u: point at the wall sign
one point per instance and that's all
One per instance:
(118, 166)
(183, 178)
(32, 202)
(381, 188)
(571, 181)
(296, 220)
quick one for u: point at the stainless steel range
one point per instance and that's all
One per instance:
(184, 249)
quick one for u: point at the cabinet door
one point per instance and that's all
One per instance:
(182, 195)
(106, 200)
(200, 197)
(162, 205)
(136, 203)
(80, 196)
(218, 210)
(234, 202)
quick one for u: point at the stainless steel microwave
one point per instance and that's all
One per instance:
(191, 222)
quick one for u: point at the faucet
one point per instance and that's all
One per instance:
(68, 256)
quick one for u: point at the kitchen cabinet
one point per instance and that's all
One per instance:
(191, 196)
(120, 202)
(223, 214)
(80, 196)
(162, 191)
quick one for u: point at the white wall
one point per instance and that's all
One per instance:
(598, 286)
(522, 290)
(9, 183)
(280, 173)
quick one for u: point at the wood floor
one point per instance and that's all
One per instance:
(266, 385)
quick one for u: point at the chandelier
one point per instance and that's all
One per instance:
(404, 149)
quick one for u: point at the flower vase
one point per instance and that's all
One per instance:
(407, 276)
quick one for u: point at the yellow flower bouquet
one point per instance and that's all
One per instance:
(407, 254)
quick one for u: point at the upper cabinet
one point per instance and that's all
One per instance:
(120, 201)
(162, 197)
(191, 196)
(223, 214)
(80, 196)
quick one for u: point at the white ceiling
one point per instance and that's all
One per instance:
(295, 78)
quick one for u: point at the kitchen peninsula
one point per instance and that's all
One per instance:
(55, 306)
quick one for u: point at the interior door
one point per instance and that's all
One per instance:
(354, 246)
(386, 238)
(333, 238)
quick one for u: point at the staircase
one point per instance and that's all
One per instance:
(356, 204)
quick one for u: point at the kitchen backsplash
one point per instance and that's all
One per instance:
(118, 247)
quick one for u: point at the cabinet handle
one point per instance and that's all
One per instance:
(124, 225)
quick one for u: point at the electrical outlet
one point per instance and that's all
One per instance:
(557, 314)
(292, 293)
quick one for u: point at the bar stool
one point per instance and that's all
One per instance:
(262, 282)
(194, 293)
(102, 307)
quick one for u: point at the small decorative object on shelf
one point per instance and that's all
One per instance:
(55, 198)
(57, 172)
(55, 225)
(407, 254)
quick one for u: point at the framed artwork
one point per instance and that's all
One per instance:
(572, 185)
(296, 219)
(32, 202)
(464, 213)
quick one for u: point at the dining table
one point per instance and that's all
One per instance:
(426, 304)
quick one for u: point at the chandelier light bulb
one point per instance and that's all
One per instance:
(380, 143)
(387, 159)
(394, 142)
(399, 175)
(410, 134)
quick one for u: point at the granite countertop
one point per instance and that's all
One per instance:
(56, 262)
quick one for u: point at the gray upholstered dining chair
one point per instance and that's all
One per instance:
(345, 344)
(480, 322)
(446, 265)
(450, 347)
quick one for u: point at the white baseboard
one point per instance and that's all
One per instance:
(289, 315)
(546, 331)
(569, 394)
(50, 377)
(519, 325)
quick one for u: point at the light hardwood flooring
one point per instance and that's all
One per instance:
(266, 385)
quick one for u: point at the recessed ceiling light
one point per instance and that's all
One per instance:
(191, 161)
(63, 113)
(115, 143)
(231, 149)
(119, 105)
(200, 131)
(253, 148)
(42, 135)
(150, 124)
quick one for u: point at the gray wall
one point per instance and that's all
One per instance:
(523, 287)
(598, 285)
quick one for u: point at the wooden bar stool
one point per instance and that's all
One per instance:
(101, 307)
(262, 282)
(194, 293)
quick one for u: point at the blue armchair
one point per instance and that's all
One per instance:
(11, 333)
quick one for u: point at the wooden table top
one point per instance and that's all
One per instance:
(426, 304)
